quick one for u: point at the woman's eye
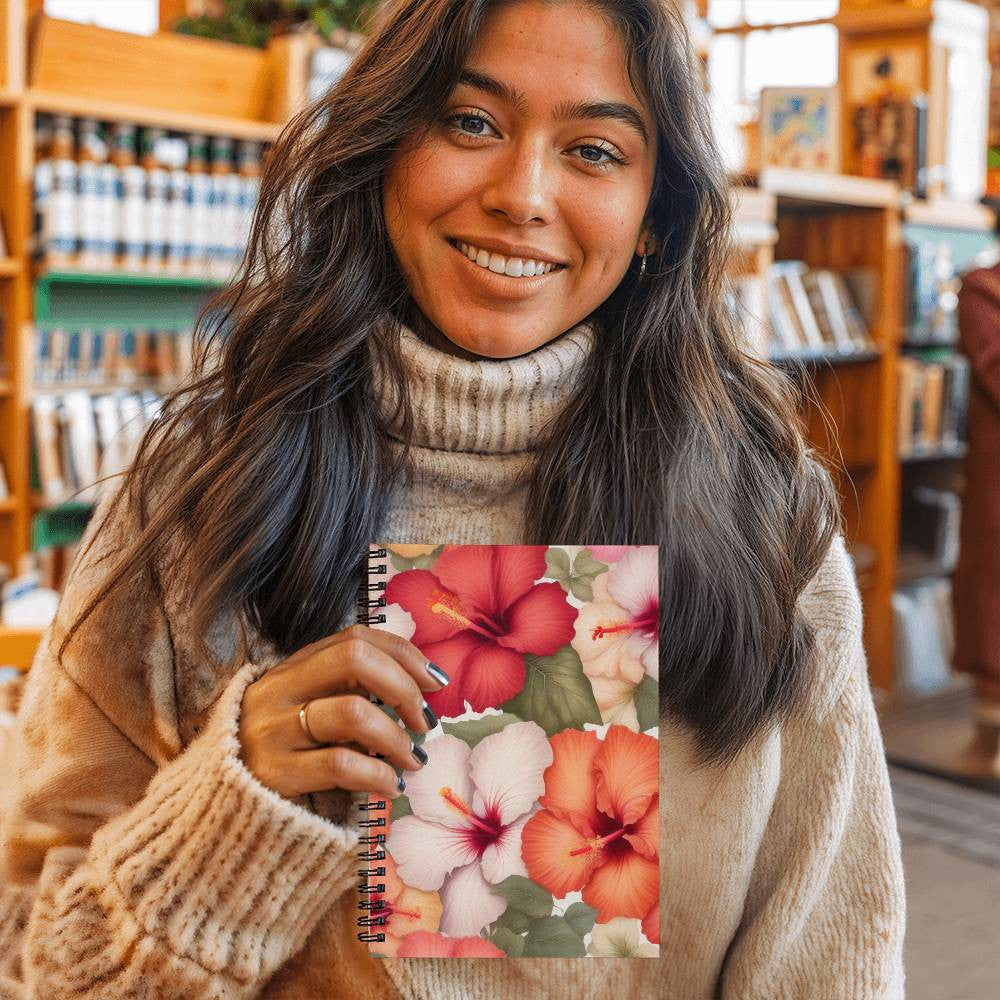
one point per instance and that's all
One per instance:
(615, 159)
(605, 158)
(456, 121)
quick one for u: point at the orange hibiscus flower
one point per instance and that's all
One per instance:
(403, 908)
(598, 831)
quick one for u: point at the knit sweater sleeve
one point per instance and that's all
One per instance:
(824, 913)
(136, 866)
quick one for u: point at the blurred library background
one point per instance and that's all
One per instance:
(862, 138)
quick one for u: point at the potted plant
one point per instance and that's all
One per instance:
(256, 22)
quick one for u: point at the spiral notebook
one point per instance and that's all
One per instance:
(532, 830)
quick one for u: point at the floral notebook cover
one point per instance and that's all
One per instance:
(533, 828)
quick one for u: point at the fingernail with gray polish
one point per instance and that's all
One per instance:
(419, 752)
(437, 673)
(400, 784)
(429, 715)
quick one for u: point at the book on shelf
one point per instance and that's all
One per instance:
(478, 849)
(933, 403)
(813, 310)
(99, 357)
(788, 284)
(930, 291)
(931, 525)
(78, 438)
(923, 632)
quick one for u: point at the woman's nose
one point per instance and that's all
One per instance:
(523, 184)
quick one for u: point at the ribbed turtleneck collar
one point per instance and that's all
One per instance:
(487, 406)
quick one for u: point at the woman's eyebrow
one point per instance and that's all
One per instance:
(566, 110)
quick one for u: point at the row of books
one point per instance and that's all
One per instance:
(814, 309)
(78, 437)
(930, 292)
(63, 356)
(798, 310)
(933, 403)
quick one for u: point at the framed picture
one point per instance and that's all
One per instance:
(800, 127)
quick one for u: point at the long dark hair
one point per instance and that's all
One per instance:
(273, 451)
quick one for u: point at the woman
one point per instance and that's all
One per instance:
(177, 828)
(977, 575)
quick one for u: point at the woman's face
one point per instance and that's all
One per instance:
(508, 172)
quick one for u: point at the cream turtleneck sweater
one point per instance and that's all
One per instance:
(476, 424)
(142, 858)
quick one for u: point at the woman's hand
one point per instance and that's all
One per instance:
(335, 674)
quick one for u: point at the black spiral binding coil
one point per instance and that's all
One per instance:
(369, 885)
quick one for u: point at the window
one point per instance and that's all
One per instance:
(742, 59)
(142, 17)
(730, 13)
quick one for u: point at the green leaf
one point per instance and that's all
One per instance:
(471, 731)
(647, 703)
(553, 937)
(557, 694)
(557, 563)
(507, 941)
(582, 588)
(324, 21)
(400, 808)
(427, 560)
(524, 895)
(581, 918)
(586, 565)
(513, 920)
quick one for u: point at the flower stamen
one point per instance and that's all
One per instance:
(596, 844)
(442, 602)
(600, 631)
(460, 806)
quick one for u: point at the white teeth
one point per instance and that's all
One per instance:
(515, 267)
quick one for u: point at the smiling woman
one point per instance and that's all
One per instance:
(481, 303)
(544, 153)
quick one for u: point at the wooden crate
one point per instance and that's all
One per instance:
(172, 72)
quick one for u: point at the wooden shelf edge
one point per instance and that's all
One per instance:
(830, 189)
(945, 214)
(81, 107)
(882, 19)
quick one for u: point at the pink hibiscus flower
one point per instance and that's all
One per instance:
(469, 806)
(617, 633)
(477, 612)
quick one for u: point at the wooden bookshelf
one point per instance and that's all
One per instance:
(50, 66)
(849, 402)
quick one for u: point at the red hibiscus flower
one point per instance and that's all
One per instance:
(424, 944)
(477, 612)
(597, 830)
